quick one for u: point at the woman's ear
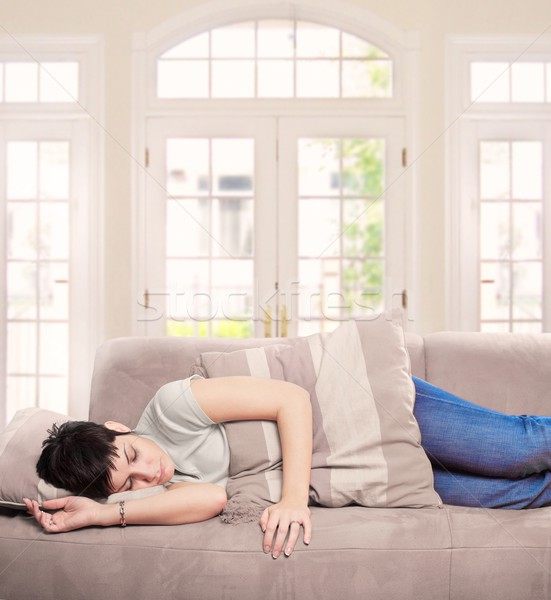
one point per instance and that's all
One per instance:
(115, 426)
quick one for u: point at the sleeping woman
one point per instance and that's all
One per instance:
(480, 457)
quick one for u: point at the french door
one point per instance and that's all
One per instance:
(504, 224)
(270, 226)
(46, 348)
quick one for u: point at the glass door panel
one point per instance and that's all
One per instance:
(511, 235)
(211, 218)
(348, 257)
(37, 206)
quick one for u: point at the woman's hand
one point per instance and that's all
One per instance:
(281, 526)
(73, 512)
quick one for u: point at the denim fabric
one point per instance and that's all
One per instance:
(482, 457)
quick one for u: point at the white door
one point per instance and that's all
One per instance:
(270, 226)
(505, 282)
(45, 305)
(342, 211)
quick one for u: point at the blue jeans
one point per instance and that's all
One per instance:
(481, 457)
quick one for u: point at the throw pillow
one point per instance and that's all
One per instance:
(20, 448)
(366, 445)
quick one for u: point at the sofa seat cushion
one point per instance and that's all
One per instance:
(393, 553)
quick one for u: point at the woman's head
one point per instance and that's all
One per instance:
(79, 457)
(92, 460)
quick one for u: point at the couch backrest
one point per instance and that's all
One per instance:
(507, 372)
(128, 371)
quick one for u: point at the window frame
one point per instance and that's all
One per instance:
(403, 47)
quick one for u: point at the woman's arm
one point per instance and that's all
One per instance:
(241, 398)
(182, 503)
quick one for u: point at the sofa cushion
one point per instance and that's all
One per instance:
(20, 447)
(366, 447)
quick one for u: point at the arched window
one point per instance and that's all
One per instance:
(274, 59)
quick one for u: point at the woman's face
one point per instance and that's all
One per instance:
(140, 463)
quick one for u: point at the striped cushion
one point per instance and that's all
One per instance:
(366, 446)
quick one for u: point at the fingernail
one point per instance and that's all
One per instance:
(288, 552)
(275, 555)
(266, 549)
(307, 542)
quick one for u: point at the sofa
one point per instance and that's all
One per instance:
(446, 552)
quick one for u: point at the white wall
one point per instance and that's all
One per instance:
(117, 20)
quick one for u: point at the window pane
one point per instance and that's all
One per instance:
(22, 170)
(54, 230)
(490, 81)
(318, 79)
(495, 291)
(527, 290)
(232, 227)
(500, 327)
(21, 80)
(363, 287)
(21, 347)
(54, 291)
(232, 78)
(21, 393)
(527, 170)
(275, 78)
(363, 167)
(548, 79)
(355, 47)
(54, 170)
(187, 228)
(187, 276)
(183, 79)
(527, 230)
(233, 288)
(54, 343)
(233, 41)
(319, 279)
(494, 231)
(366, 79)
(21, 230)
(187, 167)
(527, 82)
(363, 228)
(58, 82)
(317, 41)
(185, 279)
(319, 227)
(494, 170)
(21, 290)
(275, 39)
(535, 327)
(232, 166)
(318, 167)
(195, 47)
(53, 393)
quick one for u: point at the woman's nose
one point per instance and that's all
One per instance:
(145, 475)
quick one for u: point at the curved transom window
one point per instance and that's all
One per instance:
(274, 59)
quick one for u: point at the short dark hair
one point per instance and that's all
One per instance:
(78, 456)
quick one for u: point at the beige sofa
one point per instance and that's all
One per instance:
(356, 553)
